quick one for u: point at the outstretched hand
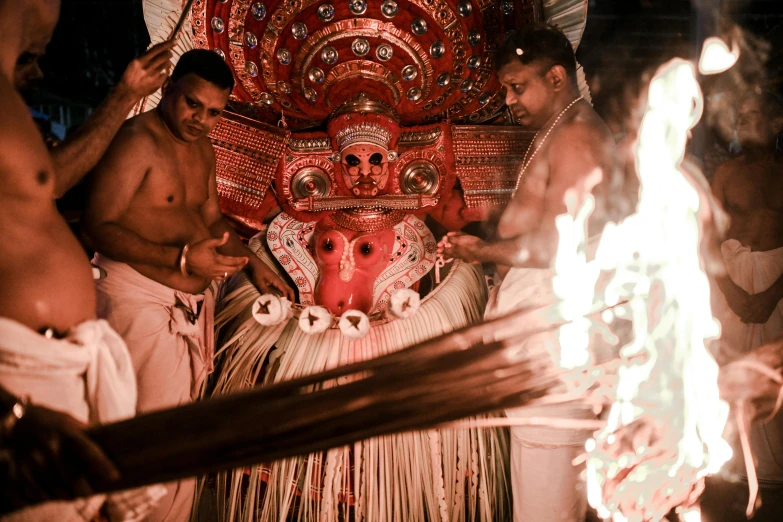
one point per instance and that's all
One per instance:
(742, 383)
(146, 74)
(460, 246)
(203, 260)
(45, 456)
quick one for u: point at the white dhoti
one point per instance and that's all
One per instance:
(170, 338)
(87, 375)
(546, 487)
(754, 272)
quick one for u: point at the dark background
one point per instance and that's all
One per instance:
(95, 40)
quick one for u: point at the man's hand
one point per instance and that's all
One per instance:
(759, 307)
(203, 260)
(460, 246)
(47, 456)
(740, 383)
(146, 74)
(268, 282)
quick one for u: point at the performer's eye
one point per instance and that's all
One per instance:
(352, 160)
(366, 249)
(376, 158)
(328, 245)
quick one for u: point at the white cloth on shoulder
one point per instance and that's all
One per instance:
(87, 375)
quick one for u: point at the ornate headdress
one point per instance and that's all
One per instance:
(363, 120)
(363, 132)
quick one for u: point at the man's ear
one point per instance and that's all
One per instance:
(558, 77)
(164, 89)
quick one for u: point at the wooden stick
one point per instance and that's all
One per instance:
(448, 378)
(181, 22)
(445, 379)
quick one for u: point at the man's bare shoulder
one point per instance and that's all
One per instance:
(140, 131)
(137, 139)
(590, 134)
(201, 158)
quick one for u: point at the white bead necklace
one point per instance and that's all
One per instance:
(525, 161)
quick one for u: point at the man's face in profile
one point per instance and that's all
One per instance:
(39, 27)
(27, 74)
(528, 93)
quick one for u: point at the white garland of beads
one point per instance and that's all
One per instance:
(525, 161)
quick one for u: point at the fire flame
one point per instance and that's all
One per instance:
(663, 431)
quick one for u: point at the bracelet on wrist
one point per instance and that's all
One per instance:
(183, 262)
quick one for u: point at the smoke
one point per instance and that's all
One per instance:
(646, 40)
(750, 74)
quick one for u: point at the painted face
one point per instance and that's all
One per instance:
(192, 106)
(349, 265)
(754, 127)
(365, 169)
(529, 94)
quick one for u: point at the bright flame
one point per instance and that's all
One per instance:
(574, 283)
(663, 432)
(716, 56)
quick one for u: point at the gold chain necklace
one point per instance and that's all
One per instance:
(525, 161)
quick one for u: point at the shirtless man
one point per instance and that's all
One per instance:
(750, 188)
(49, 339)
(78, 153)
(572, 152)
(154, 218)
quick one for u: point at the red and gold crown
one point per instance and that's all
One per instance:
(363, 120)
(363, 132)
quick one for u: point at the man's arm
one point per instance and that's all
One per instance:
(747, 380)
(506, 252)
(262, 276)
(575, 168)
(47, 456)
(82, 150)
(117, 179)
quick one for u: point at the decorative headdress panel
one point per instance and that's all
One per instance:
(302, 63)
(432, 60)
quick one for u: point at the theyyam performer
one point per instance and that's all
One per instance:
(374, 139)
